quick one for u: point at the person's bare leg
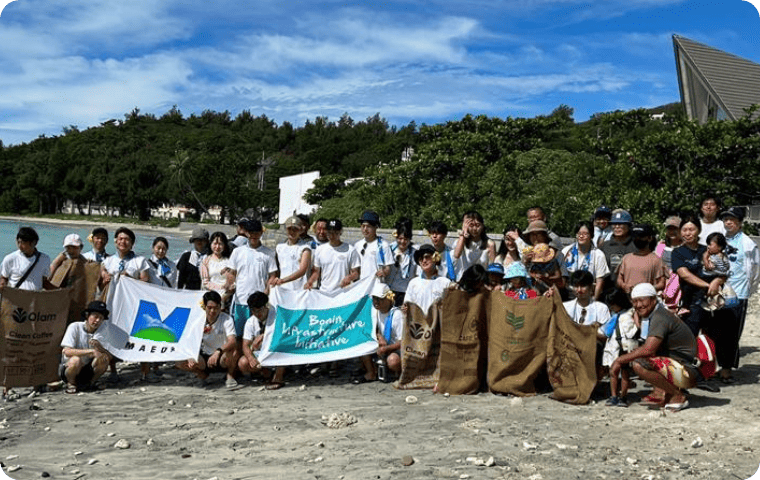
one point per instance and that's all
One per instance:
(672, 393)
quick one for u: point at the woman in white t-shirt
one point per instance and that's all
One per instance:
(428, 287)
(473, 246)
(584, 256)
(215, 268)
(293, 257)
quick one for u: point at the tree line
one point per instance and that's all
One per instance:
(651, 166)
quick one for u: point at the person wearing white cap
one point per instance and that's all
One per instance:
(666, 360)
(72, 249)
(390, 329)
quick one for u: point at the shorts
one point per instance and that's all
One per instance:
(84, 377)
(218, 368)
(673, 371)
(240, 314)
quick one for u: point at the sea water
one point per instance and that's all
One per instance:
(51, 239)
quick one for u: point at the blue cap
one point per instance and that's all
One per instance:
(496, 268)
(621, 217)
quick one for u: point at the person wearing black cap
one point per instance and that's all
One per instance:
(745, 265)
(189, 263)
(81, 363)
(642, 266)
(428, 287)
(99, 239)
(375, 252)
(336, 263)
(602, 228)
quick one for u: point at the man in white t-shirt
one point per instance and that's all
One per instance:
(375, 252)
(336, 263)
(27, 268)
(253, 266)
(262, 314)
(82, 362)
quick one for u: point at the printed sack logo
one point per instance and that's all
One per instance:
(148, 324)
(418, 331)
(516, 322)
(20, 315)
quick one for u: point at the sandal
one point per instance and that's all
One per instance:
(652, 400)
(275, 385)
(71, 388)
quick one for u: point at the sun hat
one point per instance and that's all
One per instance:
(536, 226)
(515, 269)
(542, 253)
(422, 251)
(673, 221)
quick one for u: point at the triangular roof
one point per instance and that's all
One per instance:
(713, 83)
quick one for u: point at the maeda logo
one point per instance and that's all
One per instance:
(148, 324)
(20, 315)
(516, 322)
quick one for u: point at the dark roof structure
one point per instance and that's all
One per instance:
(714, 84)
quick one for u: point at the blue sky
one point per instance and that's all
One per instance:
(84, 62)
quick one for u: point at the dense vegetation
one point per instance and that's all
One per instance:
(497, 166)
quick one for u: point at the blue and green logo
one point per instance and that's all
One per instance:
(148, 324)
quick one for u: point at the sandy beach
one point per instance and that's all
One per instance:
(177, 429)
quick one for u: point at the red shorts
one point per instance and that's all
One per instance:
(673, 371)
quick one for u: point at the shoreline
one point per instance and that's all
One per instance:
(179, 232)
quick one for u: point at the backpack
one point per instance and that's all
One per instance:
(705, 361)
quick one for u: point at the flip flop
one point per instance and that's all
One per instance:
(275, 385)
(676, 407)
(71, 389)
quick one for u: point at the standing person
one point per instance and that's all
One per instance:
(584, 256)
(375, 252)
(320, 233)
(666, 360)
(508, 251)
(216, 267)
(81, 362)
(642, 266)
(27, 268)
(474, 246)
(188, 265)
(125, 262)
(620, 244)
(336, 263)
(447, 267)
(602, 228)
(240, 239)
(671, 295)
(404, 268)
(293, 257)
(537, 213)
(745, 268)
(218, 351)
(99, 239)
(162, 271)
(252, 268)
(72, 249)
(708, 210)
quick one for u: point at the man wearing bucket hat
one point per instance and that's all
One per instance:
(375, 252)
(667, 358)
(81, 362)
(188, 265)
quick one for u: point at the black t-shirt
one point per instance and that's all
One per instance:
(614, 251)
(684, 256)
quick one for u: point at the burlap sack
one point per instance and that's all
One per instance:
(420, 348)
(463, 342)
(518, 332)
(32, 325)
(82, 278)
(571, 357)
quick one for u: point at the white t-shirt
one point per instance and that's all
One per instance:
(396, 318)
(443, 268)
(215, 268)
(424, 292)
(252, 326)
(133, 267)
(155, 273)
(335, 263)
(223, 327)
(400, 276)
(708, 228)
(471, 255)
(92, 256)
(16, 264)
(372, 257)
(596, 312)
(289, 258)
(76, 337)
(594, 261)
(253, 267)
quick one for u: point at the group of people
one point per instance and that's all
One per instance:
(648, 300)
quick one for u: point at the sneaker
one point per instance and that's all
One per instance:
(612, 402)
(623, 402)
(231, 384)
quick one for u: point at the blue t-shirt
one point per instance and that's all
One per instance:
(738, 278)
(684, 256)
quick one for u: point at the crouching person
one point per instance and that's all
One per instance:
(218, 346)
(666, 360)
(253, 336)
(83, 361)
